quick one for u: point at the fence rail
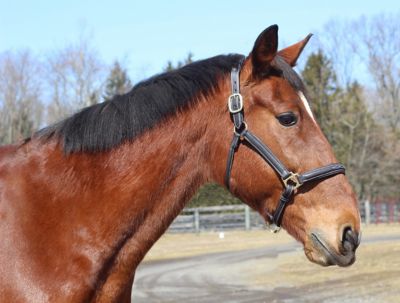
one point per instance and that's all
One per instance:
(217, 218)
(380, 211)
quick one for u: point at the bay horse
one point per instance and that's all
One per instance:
(82, 201)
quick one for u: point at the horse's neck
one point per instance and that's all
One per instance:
(163, 170)
(133, 192)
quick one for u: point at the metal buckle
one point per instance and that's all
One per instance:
(273, 228)
(231, 106)
(292, 179)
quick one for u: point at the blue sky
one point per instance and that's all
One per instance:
(146, 34)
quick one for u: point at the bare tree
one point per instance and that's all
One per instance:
(368, 49)
(336, 41)
(380, 47)
(75, 79)
(20, 95)
(377, 42)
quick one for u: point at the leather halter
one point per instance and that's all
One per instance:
(291, 181)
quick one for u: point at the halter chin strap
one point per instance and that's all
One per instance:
(291, 181)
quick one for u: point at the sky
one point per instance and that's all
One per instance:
(144, 35)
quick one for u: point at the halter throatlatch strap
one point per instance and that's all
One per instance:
(291, 181)
(234, 145)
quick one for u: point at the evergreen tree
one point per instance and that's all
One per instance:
(170, 66)
(349, 126)
(320, 80)
(117, 82)
(212, 194)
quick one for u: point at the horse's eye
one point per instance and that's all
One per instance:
(287, 119)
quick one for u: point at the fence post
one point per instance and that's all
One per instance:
(196, 217)
(247, 217)
(367, 209)
(391, 211)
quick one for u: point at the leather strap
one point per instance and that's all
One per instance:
(235, 80)
(235, 100)
(266, 153)
(321, 173)
(285, 198)
(234, 145)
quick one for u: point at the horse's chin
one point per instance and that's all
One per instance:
(320, 252)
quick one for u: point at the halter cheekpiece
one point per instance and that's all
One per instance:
(290, 181)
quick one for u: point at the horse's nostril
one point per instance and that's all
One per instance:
(350, 240)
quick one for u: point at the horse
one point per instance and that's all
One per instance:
(83, 200)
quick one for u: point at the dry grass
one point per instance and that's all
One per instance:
(184, 245)
(375, 277)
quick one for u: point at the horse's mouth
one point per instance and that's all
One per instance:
(325, 255)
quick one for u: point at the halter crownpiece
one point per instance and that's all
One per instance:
(291, 181)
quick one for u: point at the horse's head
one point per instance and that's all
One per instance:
(321, 213)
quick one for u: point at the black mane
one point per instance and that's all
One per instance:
(103, 126)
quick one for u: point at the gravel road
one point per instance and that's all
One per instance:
(217, 278)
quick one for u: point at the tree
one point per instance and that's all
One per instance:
(170, 66)
(212, 194)
(320, 79)
(369, 48)
(117, 82)
(361, 143)
(20, 96)
(75, 77)
(377, 42)
(349, 125)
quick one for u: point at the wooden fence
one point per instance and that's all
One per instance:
(219, 218)
(216, 218)
(380, 211)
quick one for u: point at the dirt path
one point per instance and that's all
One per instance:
(265, 275)
(207, 278)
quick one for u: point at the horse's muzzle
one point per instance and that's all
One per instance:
(345, 256)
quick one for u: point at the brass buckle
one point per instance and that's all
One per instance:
(292, 179)
(231, 98)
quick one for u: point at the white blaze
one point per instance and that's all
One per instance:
(306, 104)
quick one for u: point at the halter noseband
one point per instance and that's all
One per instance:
(291, 181)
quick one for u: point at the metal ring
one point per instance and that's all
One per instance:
(237, 134)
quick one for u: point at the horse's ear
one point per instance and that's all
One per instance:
(265, 49)
(291, 53)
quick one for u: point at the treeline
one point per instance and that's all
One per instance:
(354, 83)
(352, 74)
(40, 90)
